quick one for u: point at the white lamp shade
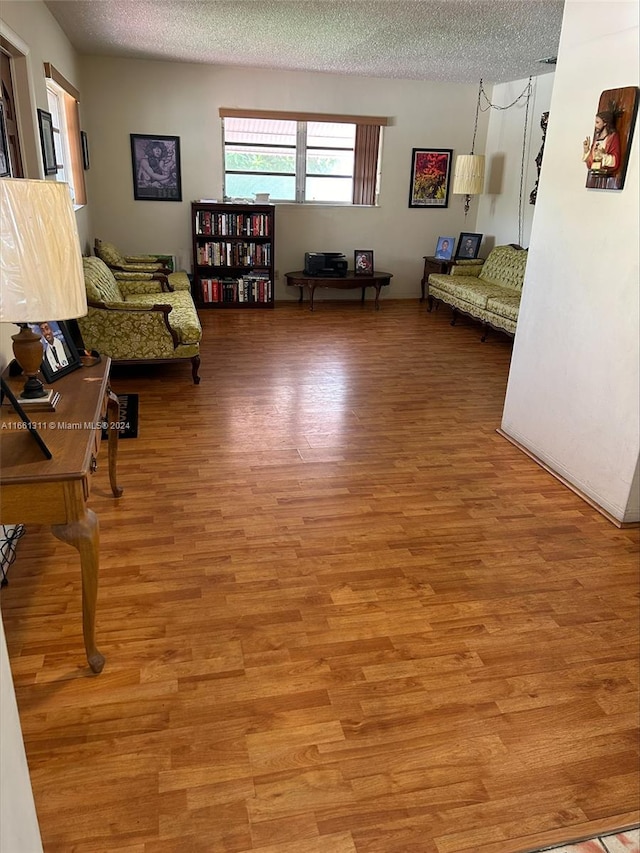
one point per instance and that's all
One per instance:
(41, 274)
(468, 176)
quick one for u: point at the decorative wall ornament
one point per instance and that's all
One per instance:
(606, 152)
(544, 123)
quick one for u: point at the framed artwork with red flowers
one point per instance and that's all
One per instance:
(430, 177)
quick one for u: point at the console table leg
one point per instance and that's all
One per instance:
(378, 286)
(113, 416)
(312, 288)
(84, 536)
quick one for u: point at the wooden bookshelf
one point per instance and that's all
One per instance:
(233, 255)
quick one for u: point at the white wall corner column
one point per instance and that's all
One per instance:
(573, 395)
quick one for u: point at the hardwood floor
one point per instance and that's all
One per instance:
(340, 613)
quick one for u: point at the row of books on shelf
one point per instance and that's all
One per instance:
(249, 288)
(233, 254)
(236, 224)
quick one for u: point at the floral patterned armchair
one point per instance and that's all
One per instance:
(136, 320)
(115, 260)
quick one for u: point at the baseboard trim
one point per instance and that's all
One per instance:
(623, 525)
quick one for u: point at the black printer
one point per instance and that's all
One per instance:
(325, 264)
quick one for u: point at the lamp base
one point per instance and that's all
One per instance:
(27, 349)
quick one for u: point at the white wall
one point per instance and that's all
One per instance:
(183, 99)
(19, 832)
(499, 206)
(573, 392)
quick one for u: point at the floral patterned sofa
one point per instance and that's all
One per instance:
(488, 292)
(139, 319)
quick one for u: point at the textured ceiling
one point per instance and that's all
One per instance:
(447, 40)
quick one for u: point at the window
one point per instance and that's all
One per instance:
(301, 157)
(62, 101)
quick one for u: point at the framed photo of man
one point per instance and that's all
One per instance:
(59, 355)
(468, 245)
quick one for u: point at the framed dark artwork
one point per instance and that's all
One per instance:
(430, 177)
(84, 144)
(45, 124)
(363, 262)
(5, 166)
(156, 167)
(59, 355)
(468, 245)
(606, 151)
(444, 248)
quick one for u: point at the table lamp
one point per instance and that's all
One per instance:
(41, 275)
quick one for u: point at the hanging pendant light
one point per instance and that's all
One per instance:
(468, 175)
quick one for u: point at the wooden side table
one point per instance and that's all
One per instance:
(432, 265)
(36, 490)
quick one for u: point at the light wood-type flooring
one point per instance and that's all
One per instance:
(341, 614)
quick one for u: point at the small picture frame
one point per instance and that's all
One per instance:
(47, 141)
(59, 355)
(468, 245)
(444, 248)
(84, 144)
(430, 177)
(363, 262)
(156, 167)
(5, 165)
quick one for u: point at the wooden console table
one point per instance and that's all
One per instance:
(35, 490)
(301, 279)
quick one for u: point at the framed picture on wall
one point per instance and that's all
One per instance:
(47, 142)
(430, 177)
(155, 162)
(606, 150)
(84, 144)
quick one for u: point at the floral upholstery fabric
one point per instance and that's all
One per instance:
(131, 324)
(99, 282)
(179, 281)
(183, 317)
(108, 253)
(505, 265)
(489, 293)
(504, 306)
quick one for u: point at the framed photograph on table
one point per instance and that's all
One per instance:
(59, 355)
(155, 162)
(430, 177)
(468, 245)
(444, 249)
(363, 262)
(47, 142)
